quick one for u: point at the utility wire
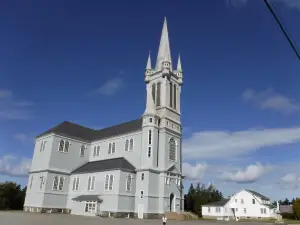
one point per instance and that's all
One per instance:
(282, 28)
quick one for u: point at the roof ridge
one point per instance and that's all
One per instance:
(118, 124)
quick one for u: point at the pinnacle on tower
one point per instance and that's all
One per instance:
(179, 68)
(150, 105)
(164, 47)
(148, 67)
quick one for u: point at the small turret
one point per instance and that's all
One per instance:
(148, 69)
(166, 64)
(179, 71)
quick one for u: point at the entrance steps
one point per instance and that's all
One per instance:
(181, 216)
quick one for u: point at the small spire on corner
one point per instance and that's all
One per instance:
(179, 68)
(148, 67)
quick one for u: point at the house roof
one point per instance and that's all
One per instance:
(81, 198)
(76, 131)
(105, 165)
(218, 203)
(258, 195)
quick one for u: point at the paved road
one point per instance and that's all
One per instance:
(23, 218)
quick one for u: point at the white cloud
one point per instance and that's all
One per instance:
(268, 99)
(195, 172)
(13, 110)
(13, 166)
(249, 174)
(290, 181)
(225, 144)
(111, 87)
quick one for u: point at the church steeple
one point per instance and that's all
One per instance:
(148, 67)
(179, 69)
(164, 51)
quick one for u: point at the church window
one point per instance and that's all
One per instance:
(150, 137)
(113, 150)
(171, 96)
(61, 146)
(158, 94)
(43, 144)
(174, 96)
(172, 150)
(142, 194)
(142, 176)
(82, 148)
(41, 182)
(126, 145)
(89, 183)
(111, 181)
(149, 151)
(150, 120)
(109, 148)
(131, 144)
(153, 92)
(75, 184)
(106, 182)
(61, 183)
(98, 150)
(95, 151)
(67, 145)
(55, 183)
(93, 183)
(128, 183)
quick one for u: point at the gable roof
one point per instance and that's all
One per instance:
(258, 195)
(76, 131)
(105, 165)
(218, 203)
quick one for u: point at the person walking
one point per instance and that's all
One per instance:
(164, 219)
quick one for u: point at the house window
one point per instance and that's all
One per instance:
(82, 148)
(41, 182)
(90, 207)
(30, 186)
(245, 210)
(253, 201)
(265, 211)
(242, 201)
(128, 183)
(172, 150)
(218, 209)
(149, 151)
(75, 184)
(106, 182)
(142, 176)
(126, 145)
(236, 209)
(142, 194)
(208, 209)
(150, 137)
(61, 184)
(131, 144)
(111, 181)
(55, 183)
(261, 210)
(98, 150)
(158, 94)
(93, 183)
(113, 150)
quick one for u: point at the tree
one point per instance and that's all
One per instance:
(286, 202)
(296, 208)
(11, 196)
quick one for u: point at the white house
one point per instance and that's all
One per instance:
(133, 169)
(246, 204)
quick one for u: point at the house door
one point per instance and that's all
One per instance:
(172, 208)
(140, 211)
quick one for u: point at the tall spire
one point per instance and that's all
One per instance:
(148, 67)
(164, 46)
(179, 68)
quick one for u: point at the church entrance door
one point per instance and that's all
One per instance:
(172, 202)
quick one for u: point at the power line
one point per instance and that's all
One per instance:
(282, 28)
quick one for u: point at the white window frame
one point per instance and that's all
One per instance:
(113, 148)
(129, 177)
(149, 150)
(245, 211)
(218, 209)
(43, 144)
(150, 137)
(106, 182)
(265, 211)
(261, 211)
(61, 183)
(253, 201)
(82, 150)
(54, 179)
(242, 201)
(64, 146)
(88, 209)
(208, 209)
(176, 149)
(127, 145)
(95, 151)
(131, 147)
(75, 184)
(141, 194)
(111, 182)
(98, 151)
(142, 176)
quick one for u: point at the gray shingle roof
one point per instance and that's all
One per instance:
(258, 195)
(76, 131)
(218, 203)
(105, 165)
(82, 198)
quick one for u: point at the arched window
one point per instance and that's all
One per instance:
(158, 94)
(149, 151)
(82, 148)
(61, 146)
(55, 183)
(98, 150)
(61, 184)
(171, 96)
(174, 91)
(131, 144)
(128, 183)
(111, 181)
(89, 183)
(172, 149)
(67, 145)
(113, 148)
(95, 151)
(93, 183)
(106, 182)
(74, 183)
(150, 137)
(126, 145)
(77, 184)
(109, 148)
(153, 92)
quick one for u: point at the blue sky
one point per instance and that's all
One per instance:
(84, 62)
